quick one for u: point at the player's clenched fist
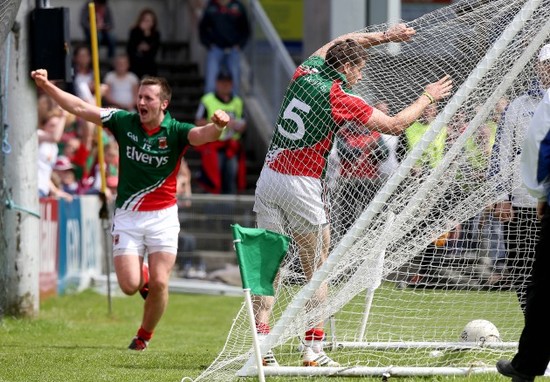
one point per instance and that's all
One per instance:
(220, 118)
(40, 77)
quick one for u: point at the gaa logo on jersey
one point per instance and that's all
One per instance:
(163, 143)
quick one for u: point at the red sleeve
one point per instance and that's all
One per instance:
(348, 107)
(300, 71)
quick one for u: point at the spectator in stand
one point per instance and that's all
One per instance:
(50, 131)
(70, 147)
(360, 152)
(224, 30)
(104, 24)
(429, 260)
(187, 242)
(223, 162)
(64, 170)
(143, 44)
(183, 185)
(111, 172)
(434, 153)
(122, 85)
(83, 81)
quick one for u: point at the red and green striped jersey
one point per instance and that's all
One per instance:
(317, 103)
(148, 161)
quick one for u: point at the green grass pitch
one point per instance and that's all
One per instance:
(75, 339)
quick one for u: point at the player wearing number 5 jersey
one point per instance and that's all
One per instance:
(289, 193)
(151, 145)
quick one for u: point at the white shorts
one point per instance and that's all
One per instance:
(136, 231)
(289, 201)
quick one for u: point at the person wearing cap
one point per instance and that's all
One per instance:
(64, 170)
(533, 354)
(223, 161)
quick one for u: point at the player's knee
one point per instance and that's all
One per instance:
(128, 287)
(158, 286)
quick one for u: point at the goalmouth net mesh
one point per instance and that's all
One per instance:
(417, 249)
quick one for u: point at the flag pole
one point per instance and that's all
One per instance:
(255, 341)
(104, 210)
(259, 254)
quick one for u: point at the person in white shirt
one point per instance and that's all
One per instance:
(533, 353)
(122, 85)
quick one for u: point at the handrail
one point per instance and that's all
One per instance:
(267, 69)
(273, 37)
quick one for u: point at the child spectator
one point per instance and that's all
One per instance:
(49, 133)
(122, 85)
(64, 169)
(143, 44)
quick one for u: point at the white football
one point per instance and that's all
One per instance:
(480, 331)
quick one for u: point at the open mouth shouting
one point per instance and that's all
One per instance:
(143, 114)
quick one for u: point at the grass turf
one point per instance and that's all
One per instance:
(75, 339)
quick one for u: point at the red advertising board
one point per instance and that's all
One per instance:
(49, 225)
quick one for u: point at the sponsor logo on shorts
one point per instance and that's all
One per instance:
(116, 239)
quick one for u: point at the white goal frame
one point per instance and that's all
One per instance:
(375, 206)
(414, 257)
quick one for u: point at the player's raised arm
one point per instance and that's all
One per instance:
(67, 101)
(396, 124)
(211, 131)
(396, 33)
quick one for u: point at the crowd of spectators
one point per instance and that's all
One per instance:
(68, 159)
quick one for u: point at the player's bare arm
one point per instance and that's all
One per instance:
(67, 101)
(210, 132)
(398, 123)
(396, 33)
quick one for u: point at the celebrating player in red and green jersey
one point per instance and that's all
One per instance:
(289, 192)
(151, 145)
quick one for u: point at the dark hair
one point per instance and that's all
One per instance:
(344, 51)
(165, 90)
(147, 11)
(80, 47)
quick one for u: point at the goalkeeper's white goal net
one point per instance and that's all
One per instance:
(419, 244)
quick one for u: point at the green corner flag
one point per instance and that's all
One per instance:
(259, 253)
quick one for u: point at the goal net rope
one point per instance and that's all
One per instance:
(418, 250)
(8, 11)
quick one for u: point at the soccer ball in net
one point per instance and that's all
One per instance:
(480, 331)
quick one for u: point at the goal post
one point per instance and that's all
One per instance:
(427, 230)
